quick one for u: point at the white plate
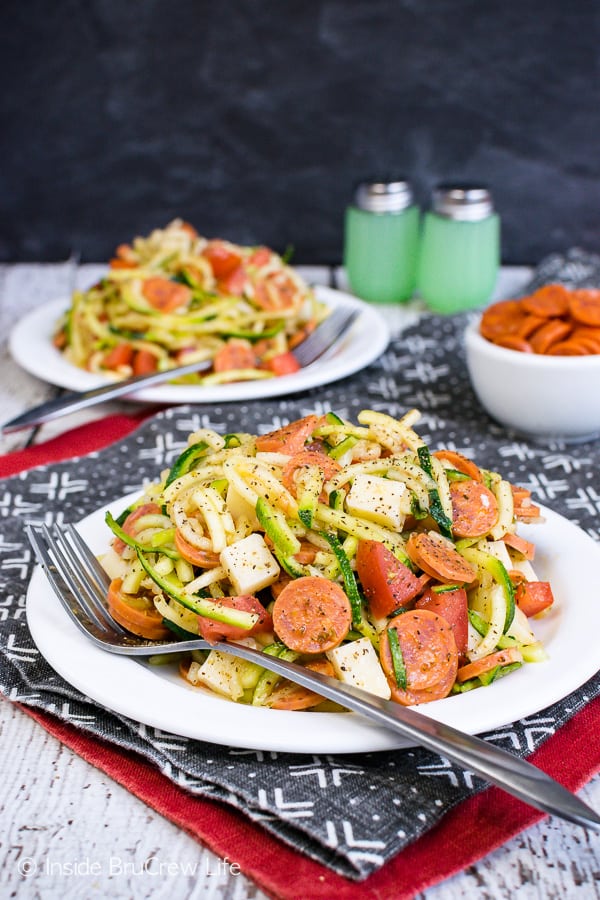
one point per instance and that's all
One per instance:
(31, 346)
(158, 697)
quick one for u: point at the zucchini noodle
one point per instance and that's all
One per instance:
(377, 535)
(175, 297)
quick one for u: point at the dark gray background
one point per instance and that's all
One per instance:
(254, 119)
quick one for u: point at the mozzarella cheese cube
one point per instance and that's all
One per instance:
(357, 663)
(379, 499)
(249, 564)
(220, 672)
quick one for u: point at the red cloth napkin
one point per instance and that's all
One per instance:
(467, 833)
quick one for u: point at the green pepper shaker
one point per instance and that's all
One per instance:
(460, 249)
(381, 241)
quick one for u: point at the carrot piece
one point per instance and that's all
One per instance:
(146, 623)
(518, 543)
(549, 301)
(437, 557)
(119, 355)
(387, 582)
(552, 332)
(429, 654)
(293, 696)
(474, 509)
(312, 615)
(290, 438)
(211, 630)
(204, 559)
(460, 463)
(236, 353)
(313, 455)
(144, 362)
(282, 364)
(165, 295)
(533, 597)
(451, 605)
(584, 306)
(487, 663)
(235, 283)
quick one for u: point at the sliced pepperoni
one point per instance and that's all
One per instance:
(518, 543)
(146, 509)
(437, 557)
(548, 302)
(211, 630)
(290, 438)
(552, 332)
(514, 342)
(474, 509)
(312, 615)
(504, 317)
(293, 696)
(314, 455)
(429, 655)
(584, 306)
(487, 663)
(460, 463)
(452, 606)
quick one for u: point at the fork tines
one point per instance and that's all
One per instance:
(316, 344)
(73, 572)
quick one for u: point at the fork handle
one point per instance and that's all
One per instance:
(511, 773)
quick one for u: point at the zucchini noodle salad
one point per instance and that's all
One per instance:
(174, 298)
(351, 549)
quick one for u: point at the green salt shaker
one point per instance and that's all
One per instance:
(460, 249)
(381, 241)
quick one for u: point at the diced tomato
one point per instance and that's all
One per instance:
(144, 362)
(234, 283)
(282, 364)
(236, 353)
(260, 257)
(452, 606)
(119, 355)
(211, 630)
(533, 597)
(164, 294)
(387, 583)
(222, 258)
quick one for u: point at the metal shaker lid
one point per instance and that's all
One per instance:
(384, 196)
(464, 203)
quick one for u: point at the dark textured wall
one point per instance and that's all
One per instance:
(253, 119)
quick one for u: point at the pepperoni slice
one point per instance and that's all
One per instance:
(574, 347)
(314, 455)
(460, 463)
(312, 615)
(293, 696)
(204, 559)
(437, 557)
(146, 509)
(552, 332)
(529, 325)
(487, 663)
(514, 342)
(504, 317)
(211, 630)
(429, 654)
(548, 302)
(584, 306)
(474, 509)
(290, 438)
(451, 605)
(518, 543)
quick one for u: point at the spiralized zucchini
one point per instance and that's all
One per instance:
(241, 518)
(175, 297)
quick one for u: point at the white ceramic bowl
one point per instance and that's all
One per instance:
(541, 397)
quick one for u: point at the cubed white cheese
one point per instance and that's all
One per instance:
(221, 673)
(378, 499)
(249, 564)
(357, 663)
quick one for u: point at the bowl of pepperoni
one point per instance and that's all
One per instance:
(534, 363)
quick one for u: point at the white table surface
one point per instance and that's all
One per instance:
(61, 813)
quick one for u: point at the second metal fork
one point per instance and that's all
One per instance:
(80, 585)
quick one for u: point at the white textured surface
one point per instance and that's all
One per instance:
(59, 812)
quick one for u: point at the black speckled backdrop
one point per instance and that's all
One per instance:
(254, 118)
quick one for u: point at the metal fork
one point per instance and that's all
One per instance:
(80, 585)
(312, 348)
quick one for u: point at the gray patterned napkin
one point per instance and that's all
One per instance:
(350, 812)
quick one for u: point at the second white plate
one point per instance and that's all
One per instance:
(31, 346)
(158, 696)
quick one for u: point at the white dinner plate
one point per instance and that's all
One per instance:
(159, 697)
(31, 346)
